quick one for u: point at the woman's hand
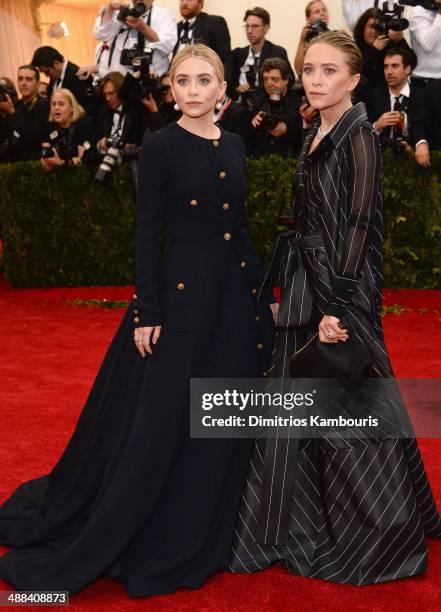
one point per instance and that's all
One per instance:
(395, 36)
(49, 163)
(143, 335)
(381, 42)
(330, 330)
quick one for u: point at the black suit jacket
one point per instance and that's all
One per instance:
(417, 109)
(29, 121)
(132, 131)
(240, 55)
(433, 95)
(212, 30)
(73, 83)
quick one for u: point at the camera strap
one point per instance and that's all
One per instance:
(141, 39)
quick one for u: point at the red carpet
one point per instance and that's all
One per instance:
(50, 351)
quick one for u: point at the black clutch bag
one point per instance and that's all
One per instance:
(323, 360)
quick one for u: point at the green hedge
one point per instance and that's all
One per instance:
(64, 228)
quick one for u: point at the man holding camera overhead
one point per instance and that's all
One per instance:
(139, 26)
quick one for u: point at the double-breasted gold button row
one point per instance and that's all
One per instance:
(225, 205)
(136, 312)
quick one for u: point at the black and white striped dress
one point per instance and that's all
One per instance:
(353, 511)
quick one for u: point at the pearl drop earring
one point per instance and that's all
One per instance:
(219, 105)
(176, 106)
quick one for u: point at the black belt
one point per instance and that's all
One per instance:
(287, 260)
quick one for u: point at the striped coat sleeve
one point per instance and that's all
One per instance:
(365, 167)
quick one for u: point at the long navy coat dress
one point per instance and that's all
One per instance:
(355, 510)
(132, 495)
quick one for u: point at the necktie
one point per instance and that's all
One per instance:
(185, 30)
(397, 104)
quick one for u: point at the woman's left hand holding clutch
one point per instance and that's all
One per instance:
(331, 330)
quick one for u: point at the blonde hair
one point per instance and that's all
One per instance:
(203, 52)
(342, 41)
(77, 110)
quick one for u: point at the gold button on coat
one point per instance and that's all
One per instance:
(257, 318)
(254, 291)
(243, 264)
(136, 311)
(227, 236)
(181, 286)
(226, 206)
(260, 346)
(215, 143)
(135, 297)
(222, 174)
(194, 202)
(136, 320)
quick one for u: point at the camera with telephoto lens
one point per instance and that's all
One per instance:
(60, 142)
(389, 18)
(271, 114)
(138, 10)
(141, 61)
(316, 28)
(429, 5)
(117, 153)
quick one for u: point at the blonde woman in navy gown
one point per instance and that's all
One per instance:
(133, 496)
(352, 510)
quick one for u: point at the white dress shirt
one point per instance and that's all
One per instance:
(59, 83)
(425, 34)
(252, 59)
(162, 22)
(118, 121)
(189, 34)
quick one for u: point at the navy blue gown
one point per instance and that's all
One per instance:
(133, 496)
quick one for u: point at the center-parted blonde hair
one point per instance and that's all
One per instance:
(202, 52)
(78, 110)
(342, 41)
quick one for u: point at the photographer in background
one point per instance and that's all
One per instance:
(399, 111)
(354, 9)
(247, 60)
(118, 118)
(374, 41)
(211, 30)
(69, 133)
(317, 18)
(425, 35)
(25, 120)
(8, 140)
(141, 25)
(62, 74)
(276, 122)
(160, 112)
